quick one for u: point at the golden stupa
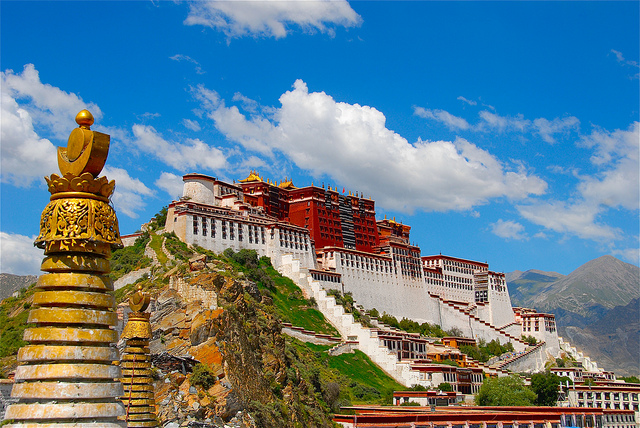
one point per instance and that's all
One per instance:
(138, 396)
(66, 376)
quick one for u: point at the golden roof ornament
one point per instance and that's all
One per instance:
(138, 326)
(253, 176)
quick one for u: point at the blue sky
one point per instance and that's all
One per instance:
(504, 132)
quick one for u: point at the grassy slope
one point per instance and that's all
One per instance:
(360, 380)
(292, 307)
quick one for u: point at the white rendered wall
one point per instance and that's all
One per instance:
(199, 190)
(272, 246)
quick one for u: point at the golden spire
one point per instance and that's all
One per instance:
(65, 372)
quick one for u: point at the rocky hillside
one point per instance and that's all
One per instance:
(10, 283)
(247, 358)
(596, 308)
(613, 340)
(226, 313)
(220, 358)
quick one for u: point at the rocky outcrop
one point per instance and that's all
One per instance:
(223, 322)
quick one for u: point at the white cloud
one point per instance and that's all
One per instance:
(632, 255)
(350, 144)
(509, 230)
(247, 103)
(617, 184)
(180, 57)
(209, 100)
(192, 154)
(622, 61)
(30, 109)
(617, 153)
(129, 193)
(453, 122)
(546, 128)
(579, 219)
(191, 124)
(470, 102)
(25, 157)
(50, 107)
(253, 135)
(170, 183)
(503, 123)
(18, 256)
(270, 18)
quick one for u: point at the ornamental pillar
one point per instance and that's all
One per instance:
(66, 376)
(137, 378)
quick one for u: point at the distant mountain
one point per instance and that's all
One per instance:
(523, 286)
(613, 341)
(596, 308)
(600, 284)
(10, 283)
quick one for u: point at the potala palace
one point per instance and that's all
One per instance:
(325, 239)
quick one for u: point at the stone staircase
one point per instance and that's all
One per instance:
(165, 251)
(350, 330)
(473, 319)
(367, 339)
(518, 360)
(587, 363)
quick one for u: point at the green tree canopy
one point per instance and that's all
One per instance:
(505, 391)
(545, 385)
(445, 387)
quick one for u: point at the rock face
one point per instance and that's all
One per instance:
(613, 341)
(241, 343)
(10, 283)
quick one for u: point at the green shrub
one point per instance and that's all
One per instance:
(203, 376)
(176, 247)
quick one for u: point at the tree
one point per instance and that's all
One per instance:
(445, 387)
(505, 391)
(545, 385)
(455, 332)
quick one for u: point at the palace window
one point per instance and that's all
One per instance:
(195, 225)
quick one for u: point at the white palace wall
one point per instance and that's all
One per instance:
(238, 232)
